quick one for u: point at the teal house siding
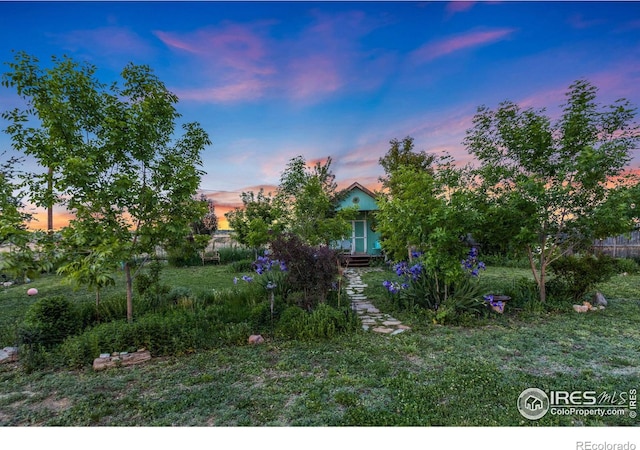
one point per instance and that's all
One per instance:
(364, 239)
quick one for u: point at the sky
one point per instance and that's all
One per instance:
(269, 81)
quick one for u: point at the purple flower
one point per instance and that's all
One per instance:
(247, 278)
(415, 271)
(235, 280)
(394, 288)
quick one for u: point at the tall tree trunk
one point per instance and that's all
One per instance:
(127, 274)
(50, 202)
(539, 278)
(543, 287)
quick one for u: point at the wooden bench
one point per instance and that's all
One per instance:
(213, 257)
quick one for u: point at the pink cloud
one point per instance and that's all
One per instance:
(456, 7)
(234, 46)
(313, 76)
(434, 50)
(249, 89)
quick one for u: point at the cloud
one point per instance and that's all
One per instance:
(228, 63)
(577, 21)
(249, 89)
(434, 50)
(245, 62)
(314, 76)
(456, 7)
(233, 46)
(105, 41)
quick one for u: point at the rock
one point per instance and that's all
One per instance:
(32, 291)
(8, 354)
(599, 300)
(7, 283)
(120, 360)
(580, 308)
(398, 331)
(256, 339)
(383, 330)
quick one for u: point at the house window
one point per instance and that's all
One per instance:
(356, 200)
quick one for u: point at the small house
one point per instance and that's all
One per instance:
(365, 239)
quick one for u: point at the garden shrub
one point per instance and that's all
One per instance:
(150, 288)
(523, 292)
(49, 321)
(243, 265)
(448, 296)
(626, 265)
(323, 322)
(172, 332)
(261, 319)
(232, 254)
(310, 270)
(575, 276)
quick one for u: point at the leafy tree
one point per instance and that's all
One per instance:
(207, 225)
(13, 221)
(65, 102)
(258, 219)
(568, 176)
(308, 198)
(427, 211)
(19, 260)
(403, 154)
(304, 204)
(116, 167)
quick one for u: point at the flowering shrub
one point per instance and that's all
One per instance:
(472, 265)
(447, 297)
(271, 276)
(311, 270)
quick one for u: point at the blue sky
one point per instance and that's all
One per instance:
(272, 80)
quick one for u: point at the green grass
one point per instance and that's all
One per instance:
(432, 375)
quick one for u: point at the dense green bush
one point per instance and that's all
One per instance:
(243, 265)
(174, 332)
(626, 265)
(232, 254)
(262, 320)
(184, 253)
(49, 321)
(576, 276)
(323, 322)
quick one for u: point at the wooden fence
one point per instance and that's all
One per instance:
(625, 246)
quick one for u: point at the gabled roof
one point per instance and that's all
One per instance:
(362, 188)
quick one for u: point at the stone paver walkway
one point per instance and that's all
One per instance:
(372, 319)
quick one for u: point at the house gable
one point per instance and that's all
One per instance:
(358, 195)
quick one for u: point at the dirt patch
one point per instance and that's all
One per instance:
(55, 404)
